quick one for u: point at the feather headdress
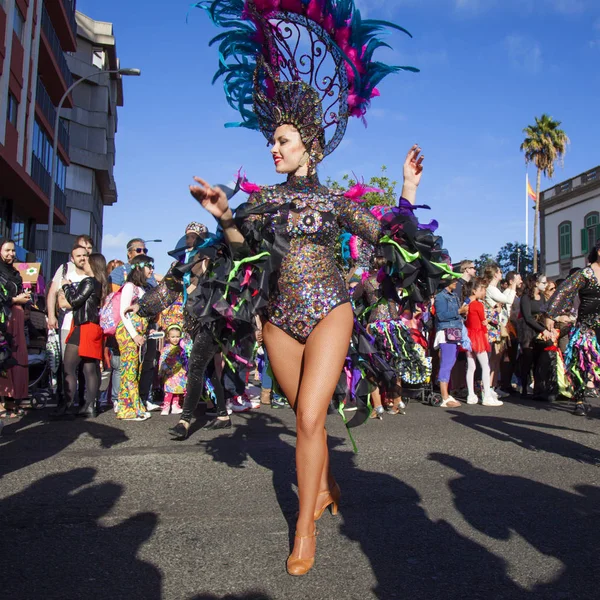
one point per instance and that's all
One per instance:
(308, 63)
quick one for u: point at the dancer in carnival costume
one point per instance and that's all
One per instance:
(582, 357)
(290, 230)
(194, 253)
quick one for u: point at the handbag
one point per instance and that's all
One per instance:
(453, 335)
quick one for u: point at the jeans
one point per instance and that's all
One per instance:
(115, 365)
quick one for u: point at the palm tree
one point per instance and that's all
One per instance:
(544, 144)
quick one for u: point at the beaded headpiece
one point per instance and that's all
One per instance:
(197, 228)
(307, 63)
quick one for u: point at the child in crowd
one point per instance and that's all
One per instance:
(173, 369)
(476, 325)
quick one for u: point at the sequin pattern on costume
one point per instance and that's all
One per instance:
(310, 284)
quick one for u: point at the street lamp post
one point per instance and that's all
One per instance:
(126, 72)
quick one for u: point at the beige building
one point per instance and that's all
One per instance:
(92, 124)
(569, 222)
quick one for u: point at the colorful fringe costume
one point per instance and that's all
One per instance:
(309, 63)
(582, 356)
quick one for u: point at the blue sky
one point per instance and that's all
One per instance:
(487, 68)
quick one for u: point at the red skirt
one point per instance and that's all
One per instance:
(479, 341)
(90, 340)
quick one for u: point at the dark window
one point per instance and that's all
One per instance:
(564, 240)
(590, 233)
(19, 23)
(12, 109)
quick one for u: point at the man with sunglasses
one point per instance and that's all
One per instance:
(118, 276)
(116, 279)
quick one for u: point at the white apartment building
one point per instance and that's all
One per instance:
(569, 223)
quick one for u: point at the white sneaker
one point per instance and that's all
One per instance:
(165, 412)
(501, 393)
(491, 401)
(254, 402)
(472, 399)
(150, 406)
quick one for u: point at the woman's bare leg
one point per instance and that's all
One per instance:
(286, 356)
(324, 355)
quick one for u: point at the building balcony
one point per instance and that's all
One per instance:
(49, 111)
(62, 13)
(53, 62)
(43, 180)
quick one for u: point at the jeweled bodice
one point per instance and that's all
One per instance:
(310, 217)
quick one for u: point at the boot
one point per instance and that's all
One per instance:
(62, 409)
(265, 396)
(87, 410)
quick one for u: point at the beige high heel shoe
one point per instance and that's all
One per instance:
(331, 497)
(301, 566)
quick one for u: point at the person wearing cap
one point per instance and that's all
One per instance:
(202, 345)
(205, 351)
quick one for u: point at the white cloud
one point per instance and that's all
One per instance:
(524, 52)
(118, 241)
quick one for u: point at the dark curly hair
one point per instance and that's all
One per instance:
(593, 255)
(530, 282)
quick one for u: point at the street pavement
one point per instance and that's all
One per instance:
(467, 503)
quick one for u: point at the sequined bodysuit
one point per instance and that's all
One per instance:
(311, 217)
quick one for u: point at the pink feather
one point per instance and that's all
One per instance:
(313, 11)
(353, 243)
(357, 191)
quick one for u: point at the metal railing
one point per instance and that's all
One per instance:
(70, 10)
(40, 175)
(63, 135)
(60, 199)
(45, 103)
(57, 50)
(43, 180)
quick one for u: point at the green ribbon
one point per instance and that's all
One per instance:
(237, 264)
(408, 256)
(341, 411)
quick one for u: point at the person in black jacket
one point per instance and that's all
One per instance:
(84, 342)
(532, 332)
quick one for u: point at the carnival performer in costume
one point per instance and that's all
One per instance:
(308, 318)
(193, 253)
(582, 357)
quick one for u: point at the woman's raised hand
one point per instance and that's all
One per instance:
(213, 199)
(413, 166)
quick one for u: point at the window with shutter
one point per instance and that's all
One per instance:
(564, 240)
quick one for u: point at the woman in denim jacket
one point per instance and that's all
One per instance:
(447, 316)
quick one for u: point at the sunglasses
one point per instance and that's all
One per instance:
(140, 250)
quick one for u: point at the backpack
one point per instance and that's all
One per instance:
(110, 313)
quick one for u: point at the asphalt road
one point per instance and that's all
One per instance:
(500, 503)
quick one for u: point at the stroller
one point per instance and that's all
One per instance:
(43, 350)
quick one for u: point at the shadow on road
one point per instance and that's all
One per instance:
(410, 554)
(20, 449)
(557, 523)
(527, 434)
(54, 546)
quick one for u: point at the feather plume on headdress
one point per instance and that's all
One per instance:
(308, 63)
